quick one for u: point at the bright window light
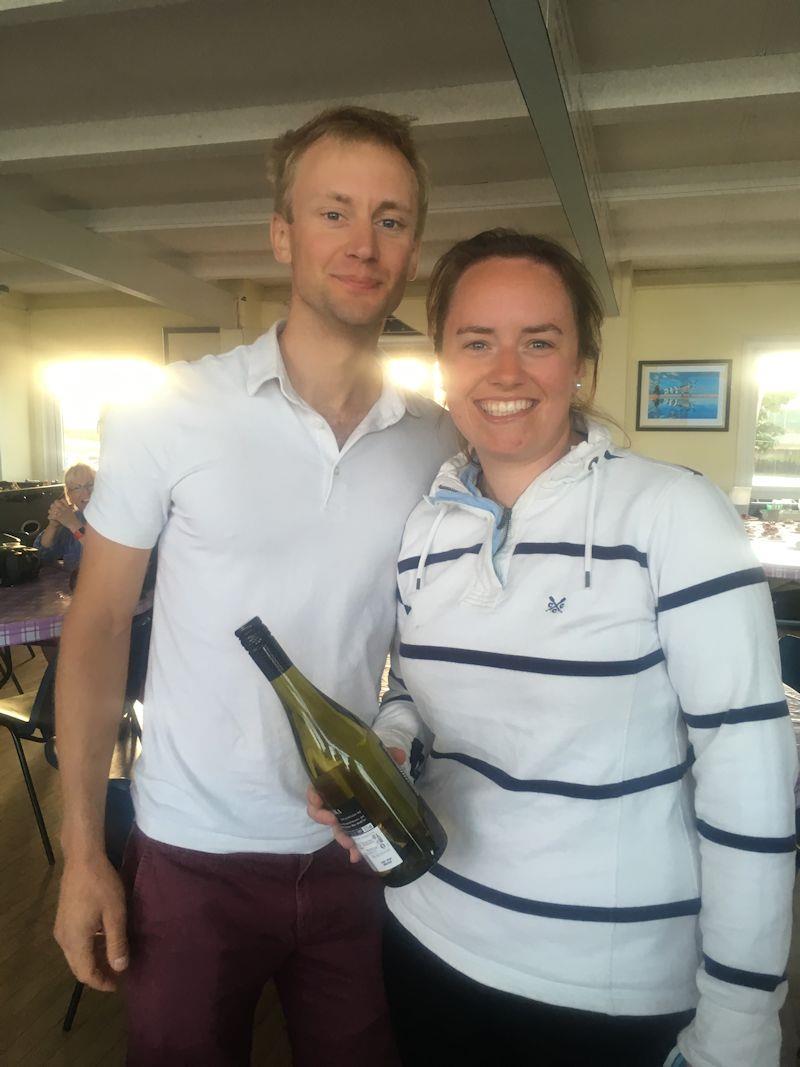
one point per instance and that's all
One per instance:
(779, 372)
(420, 375)
(83, 387)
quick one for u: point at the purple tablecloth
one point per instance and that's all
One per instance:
(34, 611)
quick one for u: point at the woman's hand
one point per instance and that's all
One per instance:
(64, 514)
(319, 813)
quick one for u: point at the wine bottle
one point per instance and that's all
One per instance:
(391, 825)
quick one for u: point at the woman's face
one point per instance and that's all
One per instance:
(79, 486)
(510, 360)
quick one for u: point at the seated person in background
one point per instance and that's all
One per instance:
(61, 538)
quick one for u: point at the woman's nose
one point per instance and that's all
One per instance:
(507, 367)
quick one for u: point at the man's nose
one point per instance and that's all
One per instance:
(363, 243)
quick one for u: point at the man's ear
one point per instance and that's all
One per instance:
(280, 236)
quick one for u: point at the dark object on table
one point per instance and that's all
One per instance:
(18, 563)
(23, 511)
(31, 717)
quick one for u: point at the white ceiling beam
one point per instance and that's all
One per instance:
(451, 199)
(261, 266)
(233, 126)
(154, 217)
(683, 182)
(37, 235)
(527, 41)
(608, 96)
(614, 95)
(14, 12)
(758, 242)
(619, 188)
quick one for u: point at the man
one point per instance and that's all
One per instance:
(276, 479)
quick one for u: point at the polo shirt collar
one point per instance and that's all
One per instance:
(265, 364)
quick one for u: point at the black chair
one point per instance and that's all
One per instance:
(118, 823)
(30, 717)
(790, 660)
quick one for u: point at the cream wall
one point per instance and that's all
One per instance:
(15, 457)
(113, 331)
(696, 321)
(664, 316)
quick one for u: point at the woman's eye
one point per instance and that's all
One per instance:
(539, 344)
(476, 346)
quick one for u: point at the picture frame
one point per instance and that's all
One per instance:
(188, 343)
(683, 394)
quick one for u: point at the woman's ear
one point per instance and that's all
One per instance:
(580, 371)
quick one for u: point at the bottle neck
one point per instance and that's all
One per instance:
(265, 651)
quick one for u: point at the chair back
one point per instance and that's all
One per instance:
(141, 625)
(119, 818)
(790, 660)
(43, 713)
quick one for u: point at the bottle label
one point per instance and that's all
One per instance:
(370, 840)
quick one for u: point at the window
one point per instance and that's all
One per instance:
(82, 388)
(777, 441)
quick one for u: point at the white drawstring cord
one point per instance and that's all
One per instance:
(423, 558)
(589, 532)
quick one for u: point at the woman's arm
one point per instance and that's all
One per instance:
(717, 631)
(399, 724)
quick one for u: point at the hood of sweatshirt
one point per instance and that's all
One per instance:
(456, 486)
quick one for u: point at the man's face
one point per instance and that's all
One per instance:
(351, 243)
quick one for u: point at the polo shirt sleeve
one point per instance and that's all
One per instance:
(717, 631)
(132, 490)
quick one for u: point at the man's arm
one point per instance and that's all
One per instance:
(90, 686)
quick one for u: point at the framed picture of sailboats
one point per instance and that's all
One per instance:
(683, 395)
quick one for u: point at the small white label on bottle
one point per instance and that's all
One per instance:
(375, 847)
(370, 840)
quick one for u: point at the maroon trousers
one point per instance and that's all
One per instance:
(208, 931)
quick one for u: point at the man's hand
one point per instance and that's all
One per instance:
(90, 923)
(319, 813)
(64, 514)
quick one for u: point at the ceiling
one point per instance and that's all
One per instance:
(134, 132)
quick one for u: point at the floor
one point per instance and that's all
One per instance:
(35, 984)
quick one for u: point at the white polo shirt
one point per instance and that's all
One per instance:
(257, 512)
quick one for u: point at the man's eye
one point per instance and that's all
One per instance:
(538, 343)
(476, 346)
(333, 216)
(391, 224)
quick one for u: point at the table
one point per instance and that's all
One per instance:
(778, 555)
(34, 611)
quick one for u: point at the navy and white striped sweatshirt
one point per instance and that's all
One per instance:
(612, 757)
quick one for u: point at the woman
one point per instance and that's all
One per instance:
(585, 634)
(61, 538)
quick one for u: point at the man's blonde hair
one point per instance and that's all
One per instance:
(354, 124)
